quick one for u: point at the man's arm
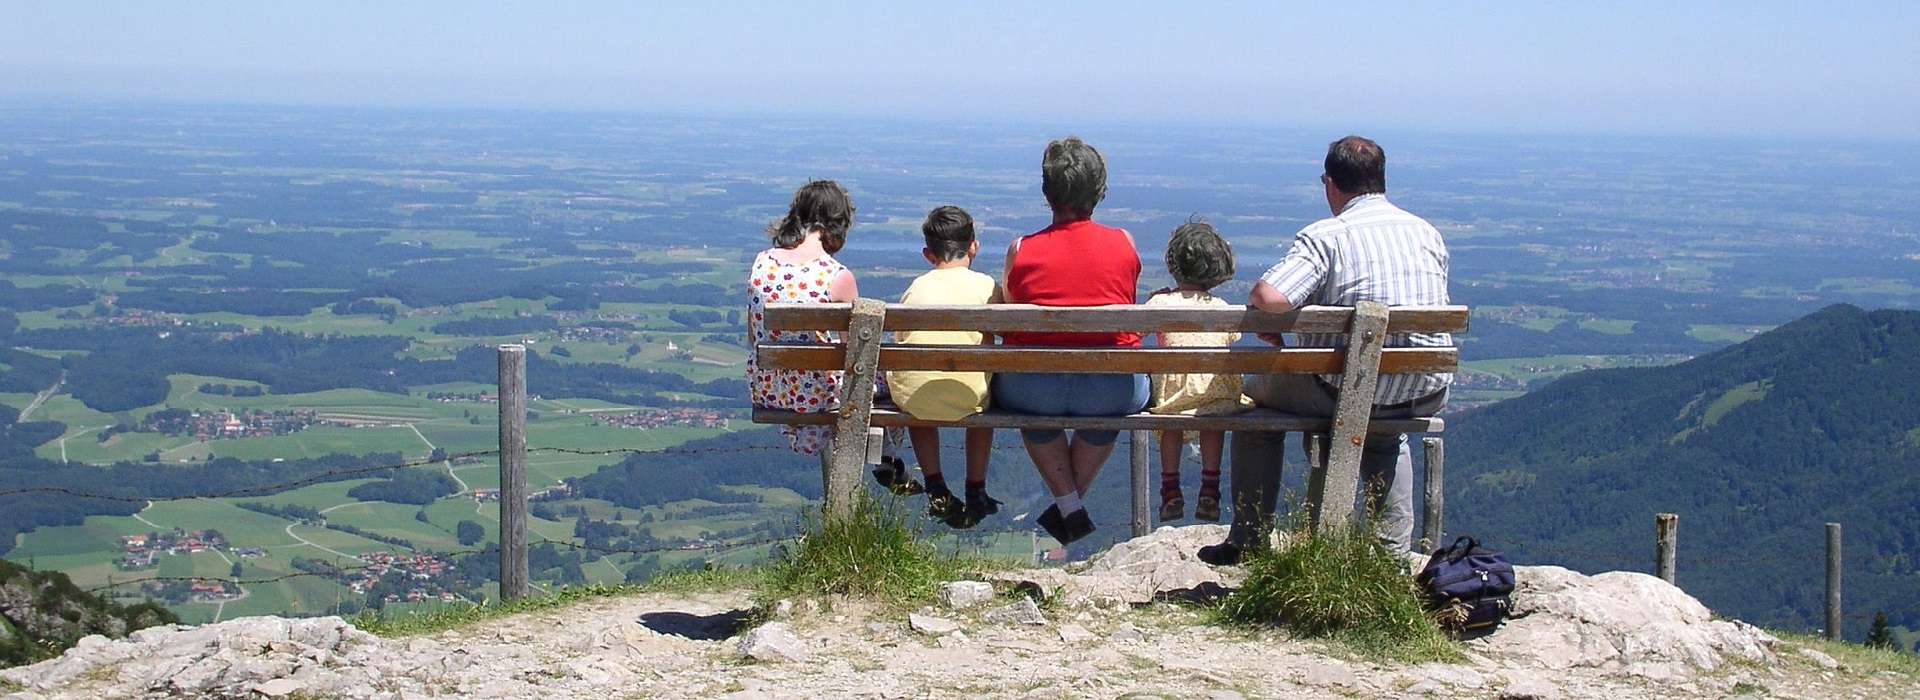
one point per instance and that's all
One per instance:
(1266, 298)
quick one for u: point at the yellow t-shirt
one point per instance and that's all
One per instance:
(943, 395)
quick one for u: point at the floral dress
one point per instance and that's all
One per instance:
(807, 391)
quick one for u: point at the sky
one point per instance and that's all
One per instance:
(1677, 67)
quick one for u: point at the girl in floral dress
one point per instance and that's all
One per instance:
(800, 268)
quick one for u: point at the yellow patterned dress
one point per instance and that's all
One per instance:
(1195, 394)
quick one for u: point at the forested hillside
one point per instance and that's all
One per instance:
(1756, 447)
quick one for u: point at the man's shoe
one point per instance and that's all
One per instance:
(944, 507)
(1207, 509)
(892, 475)
(1223, 554)
(1173, 509)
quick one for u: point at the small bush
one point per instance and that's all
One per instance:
(1340, 585)
(873, 554)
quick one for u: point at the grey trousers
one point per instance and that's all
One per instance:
(1386, 464)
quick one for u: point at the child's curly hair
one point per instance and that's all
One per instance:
(1198, 255)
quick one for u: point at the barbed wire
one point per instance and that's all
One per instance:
(727, 548)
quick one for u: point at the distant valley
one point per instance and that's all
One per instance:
(292, 312)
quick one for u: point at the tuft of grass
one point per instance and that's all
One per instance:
(1342, 586)
(873, 554)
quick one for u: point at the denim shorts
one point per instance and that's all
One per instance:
(1070, 394)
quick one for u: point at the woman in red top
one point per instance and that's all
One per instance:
(1073, 262)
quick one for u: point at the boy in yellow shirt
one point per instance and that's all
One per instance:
(950, 248)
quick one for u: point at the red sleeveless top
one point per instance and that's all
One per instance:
(1079, 263)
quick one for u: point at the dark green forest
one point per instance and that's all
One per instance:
(1756, 447)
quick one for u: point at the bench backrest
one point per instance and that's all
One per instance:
(1145, 319)
(861, 352)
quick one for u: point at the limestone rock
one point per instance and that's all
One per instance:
(774, 641)
(1024, 612)
(1620, 620)
(960, 595)
(1530, 688)
(928, 624)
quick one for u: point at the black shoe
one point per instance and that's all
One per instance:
(979, 506)
(1051, 521)
(1079, 525)
(1223, 554)
(942, 506)
(892, 475)
(1068, 529)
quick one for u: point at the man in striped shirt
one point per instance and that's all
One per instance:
(1369, 250)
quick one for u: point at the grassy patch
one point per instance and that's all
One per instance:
(1344, 587)
(874, 554)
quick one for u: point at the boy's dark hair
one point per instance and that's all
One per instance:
(821, 204)
(949, 232)
(1198, 255)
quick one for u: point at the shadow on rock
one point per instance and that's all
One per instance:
(705, 628)
(1206, 593)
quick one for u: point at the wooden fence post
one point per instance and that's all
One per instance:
(1833, 581)
(1666, 543)
(1436, 497)
(849, 450)
(1333, 506)
(1137, 441)
(513, 472)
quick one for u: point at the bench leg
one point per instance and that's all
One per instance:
(1137, 441)
(1432, 530)
(1315, 445)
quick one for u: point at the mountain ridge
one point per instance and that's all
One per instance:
(1755, 446)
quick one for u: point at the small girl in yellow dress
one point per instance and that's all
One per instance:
(1199, 260)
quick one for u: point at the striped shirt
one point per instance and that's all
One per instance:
(1371, 251)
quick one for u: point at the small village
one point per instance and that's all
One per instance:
(420, 573)
(226, 425)
(143, 551)
(662, 417)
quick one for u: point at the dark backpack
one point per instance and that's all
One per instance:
(1467, 587)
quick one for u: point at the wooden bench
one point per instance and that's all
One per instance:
(1333, 478)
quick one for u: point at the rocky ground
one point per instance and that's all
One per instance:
(1099, 634)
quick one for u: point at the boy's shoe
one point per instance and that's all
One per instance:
(892, 475)
(979, 506)
(1176, 508)
(944, 507)
(1207, 509)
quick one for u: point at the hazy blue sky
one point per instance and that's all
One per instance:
(1841, 69)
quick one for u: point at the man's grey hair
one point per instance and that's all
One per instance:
(1073, 176)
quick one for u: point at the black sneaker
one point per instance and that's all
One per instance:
(979, 506)
(942, 506)
(1079, 525)
(892, 475)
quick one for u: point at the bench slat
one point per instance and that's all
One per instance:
(1256, 419)
(986, 358)
(999, 318)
